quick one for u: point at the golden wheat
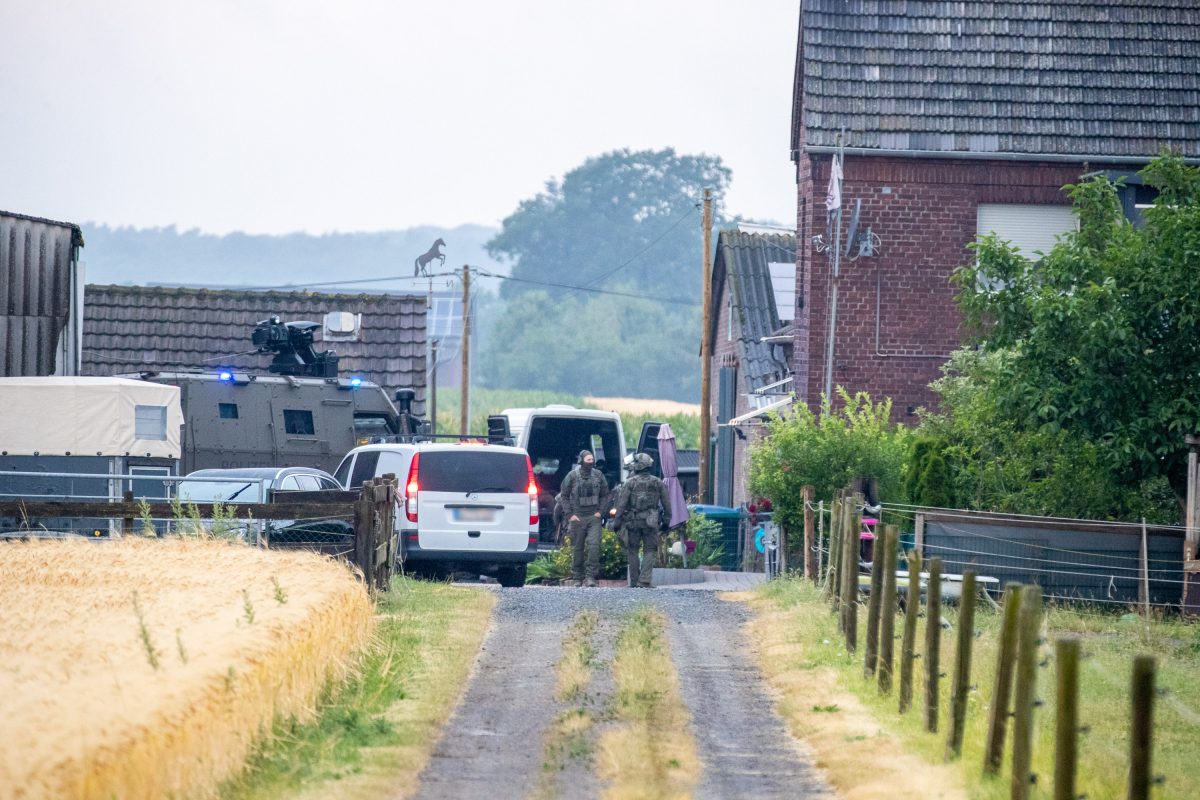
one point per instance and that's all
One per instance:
(87, 714)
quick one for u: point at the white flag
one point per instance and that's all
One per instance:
(833, 197)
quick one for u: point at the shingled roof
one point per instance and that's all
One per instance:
(742, 260)
(1117, 78)
(139, 328)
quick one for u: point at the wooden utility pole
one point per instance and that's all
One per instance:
(706, 354)
(464, 415)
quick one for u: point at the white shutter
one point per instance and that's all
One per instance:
(783, 282)
(1029, 228)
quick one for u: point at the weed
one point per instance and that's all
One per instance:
(147, 521)
(183, 656)
(280, 594)
(829, 709)
(152, 653)
(247, 606)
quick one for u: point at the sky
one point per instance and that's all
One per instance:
(274, 116)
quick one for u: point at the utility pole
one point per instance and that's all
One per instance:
(464, 411)
(706, 354)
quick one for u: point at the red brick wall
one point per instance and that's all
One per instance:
(726, 352)
(896, 314)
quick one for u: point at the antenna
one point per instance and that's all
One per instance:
(852, 232)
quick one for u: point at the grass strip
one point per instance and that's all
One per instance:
(374, 735)
(650, 753)
(827, 702)
(568, 736)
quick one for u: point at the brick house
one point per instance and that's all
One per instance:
(754, 302)
(378, 337)
(958, 119)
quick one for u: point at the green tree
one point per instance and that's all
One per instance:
(827, 451)
(625, 226)
(1088, 358)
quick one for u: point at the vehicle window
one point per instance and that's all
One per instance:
(395, 463)
(364, 468)
(289, 484)
(308, 483)
(545, 465)
(368, 425)
(298, 422)
(227, 410)
(343, 470)
(202, 491)
(472, 471)
(324, 484)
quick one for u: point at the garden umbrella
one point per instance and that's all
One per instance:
(670, 473)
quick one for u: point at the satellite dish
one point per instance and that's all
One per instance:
(852, 232)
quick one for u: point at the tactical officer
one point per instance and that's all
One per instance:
(584, 491)
(642, 504)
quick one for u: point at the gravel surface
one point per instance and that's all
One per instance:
(493, 745)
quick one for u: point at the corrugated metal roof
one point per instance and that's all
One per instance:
(139, 328)
(1067, 77)
(36, 259)
(741, 260)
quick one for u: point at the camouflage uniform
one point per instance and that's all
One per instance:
(642, 503)
(583, 493)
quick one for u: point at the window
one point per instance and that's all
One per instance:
(463, 471)
(150, 422)
(1029, 228)
(298, 422)
(289, 484)
(227, 410)
(364, 468)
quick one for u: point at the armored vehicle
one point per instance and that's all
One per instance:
(301, 415)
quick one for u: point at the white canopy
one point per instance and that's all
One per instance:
(89, 416)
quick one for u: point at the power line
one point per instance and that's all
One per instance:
(691, 210)
(673, 300)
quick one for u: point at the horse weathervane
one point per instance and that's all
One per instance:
(425, 259)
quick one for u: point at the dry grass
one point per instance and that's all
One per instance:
(862, 758)
(569, 736)
(102, 700)
(638, 405)
(650, 753)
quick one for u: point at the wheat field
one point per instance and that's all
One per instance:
(149, 668)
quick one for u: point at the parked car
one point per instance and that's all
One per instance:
(255, 485)
(468, 506)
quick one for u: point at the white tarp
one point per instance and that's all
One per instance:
(88, 417)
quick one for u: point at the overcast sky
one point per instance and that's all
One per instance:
(273, 116)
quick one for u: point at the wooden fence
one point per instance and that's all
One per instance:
(372, 511)
(1014, 692)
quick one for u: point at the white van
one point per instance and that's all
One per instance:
(465, 505)
(554, 435)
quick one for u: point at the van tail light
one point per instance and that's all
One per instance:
(532, 489)
(411, 488)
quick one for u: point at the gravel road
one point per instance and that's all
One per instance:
(493, 745)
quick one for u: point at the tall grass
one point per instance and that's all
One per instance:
(1110, 640)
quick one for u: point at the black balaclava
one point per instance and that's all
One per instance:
(584, 464)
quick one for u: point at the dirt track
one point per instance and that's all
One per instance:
(493, 746)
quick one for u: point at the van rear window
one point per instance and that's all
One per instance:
(470, 470)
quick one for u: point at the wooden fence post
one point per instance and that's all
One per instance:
(833, 584)
(808, 494)
(960, 686)
(1142, 698)
(850, 528)
(1066, 717)
(364, 523)
(127, 522)
(993, 748)
(933, 643)
(874, 604)
(1029, 622)
(908, 645)
(822, 562)
(887, 606)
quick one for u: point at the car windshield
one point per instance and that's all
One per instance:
(210, 491)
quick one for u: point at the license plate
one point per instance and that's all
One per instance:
(474, 515)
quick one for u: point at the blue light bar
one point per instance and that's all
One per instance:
(225, 375)
(356, 382)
